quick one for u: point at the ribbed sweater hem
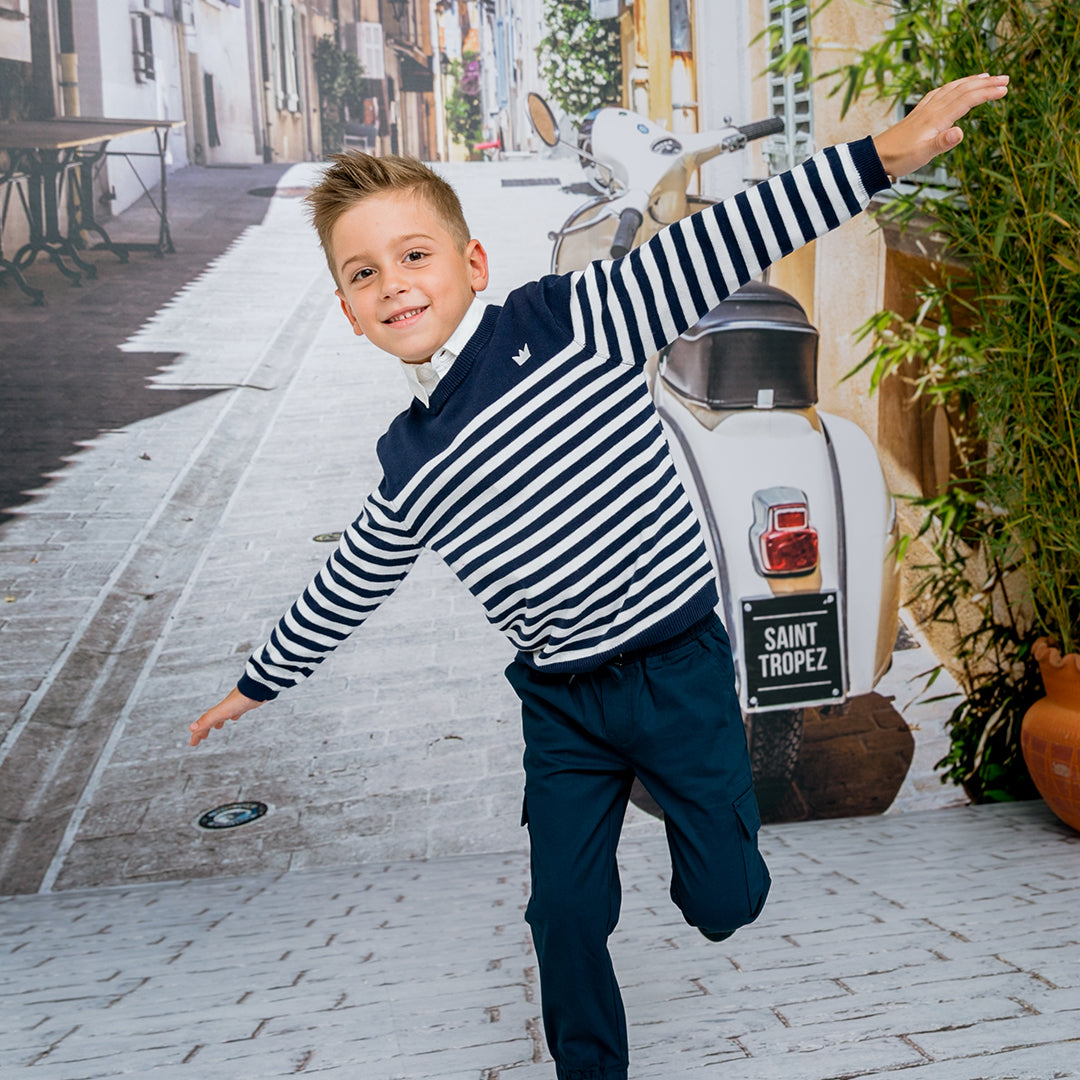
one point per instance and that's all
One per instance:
(691, 612)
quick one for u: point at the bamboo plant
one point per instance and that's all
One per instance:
(996, 340)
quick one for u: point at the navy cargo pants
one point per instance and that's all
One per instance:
(671, 716)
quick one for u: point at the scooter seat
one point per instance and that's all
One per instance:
(755, 349)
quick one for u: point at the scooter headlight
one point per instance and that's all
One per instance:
(666, 146)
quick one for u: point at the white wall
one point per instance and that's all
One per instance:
(528, 28)
(221, 36)
(108, 87)
(721, 49)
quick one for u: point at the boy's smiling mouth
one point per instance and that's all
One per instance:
(405, 316)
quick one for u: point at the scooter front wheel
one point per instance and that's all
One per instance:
(775, 740)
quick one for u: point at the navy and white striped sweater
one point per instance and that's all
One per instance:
(539, 470)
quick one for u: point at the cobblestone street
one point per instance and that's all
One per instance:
(940, 945)
(371, 922)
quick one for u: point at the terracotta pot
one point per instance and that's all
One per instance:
(1050, 735)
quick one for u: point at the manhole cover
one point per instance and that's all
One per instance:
(280, 192)
(232, 814)
(533, 181)
(327, 538)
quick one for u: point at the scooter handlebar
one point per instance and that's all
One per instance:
(629, 222)
(758, 129)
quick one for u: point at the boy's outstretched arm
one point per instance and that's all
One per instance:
(231, 707)
(930, 128)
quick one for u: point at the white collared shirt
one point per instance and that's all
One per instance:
(423, 378)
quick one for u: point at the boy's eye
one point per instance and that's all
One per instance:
(363, 273)
(414, 256)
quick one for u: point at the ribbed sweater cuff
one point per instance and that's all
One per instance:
(865, 158)
(255, 690)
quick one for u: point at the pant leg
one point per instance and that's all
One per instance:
(576, 791)
(690, 753)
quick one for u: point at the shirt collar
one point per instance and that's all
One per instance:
(423, 378)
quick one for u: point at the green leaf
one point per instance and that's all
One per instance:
(999, 234)
(1067, 261)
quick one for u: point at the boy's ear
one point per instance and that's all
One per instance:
(477, 259)
(349, 313)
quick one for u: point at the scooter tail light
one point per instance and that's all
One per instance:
(784, 540)
(790, 517)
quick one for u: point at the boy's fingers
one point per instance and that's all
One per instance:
(962, 94)
(963, 82)
(232, 707)
(965, 94)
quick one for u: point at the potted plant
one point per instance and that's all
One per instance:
(1051, 733)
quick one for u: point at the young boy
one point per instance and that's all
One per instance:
(533, 462)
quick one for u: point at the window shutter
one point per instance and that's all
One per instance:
(790, 95)
(372, 58)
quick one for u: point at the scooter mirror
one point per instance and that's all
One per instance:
(543, 120)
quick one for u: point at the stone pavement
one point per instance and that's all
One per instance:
(940, 945)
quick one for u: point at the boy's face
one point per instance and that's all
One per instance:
(404, 283)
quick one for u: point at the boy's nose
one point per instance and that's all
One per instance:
(393, 285)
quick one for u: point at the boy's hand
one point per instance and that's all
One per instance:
(231, 707)
(929, 129)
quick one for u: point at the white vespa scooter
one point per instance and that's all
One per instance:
(799, 522)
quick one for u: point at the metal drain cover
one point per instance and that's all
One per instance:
(232, 814)
(534, 181)
(278, 192)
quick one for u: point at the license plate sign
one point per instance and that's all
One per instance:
(792, 650)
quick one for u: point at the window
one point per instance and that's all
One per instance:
(371, 59)
(366, 40)
(212, 136)
(789, 95)
(679, 20)
(15, 43)
(264, 45)
(283, 48)
(285, 59)
(604, 9)
(142, 46)
(935, 174)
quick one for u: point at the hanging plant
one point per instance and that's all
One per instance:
(464, 117)
(580, 57)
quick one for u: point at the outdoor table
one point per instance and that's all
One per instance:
(40, 155)
(8, 182)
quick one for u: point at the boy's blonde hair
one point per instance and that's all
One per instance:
(355, 176)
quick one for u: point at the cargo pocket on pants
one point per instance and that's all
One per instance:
(757, 874)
